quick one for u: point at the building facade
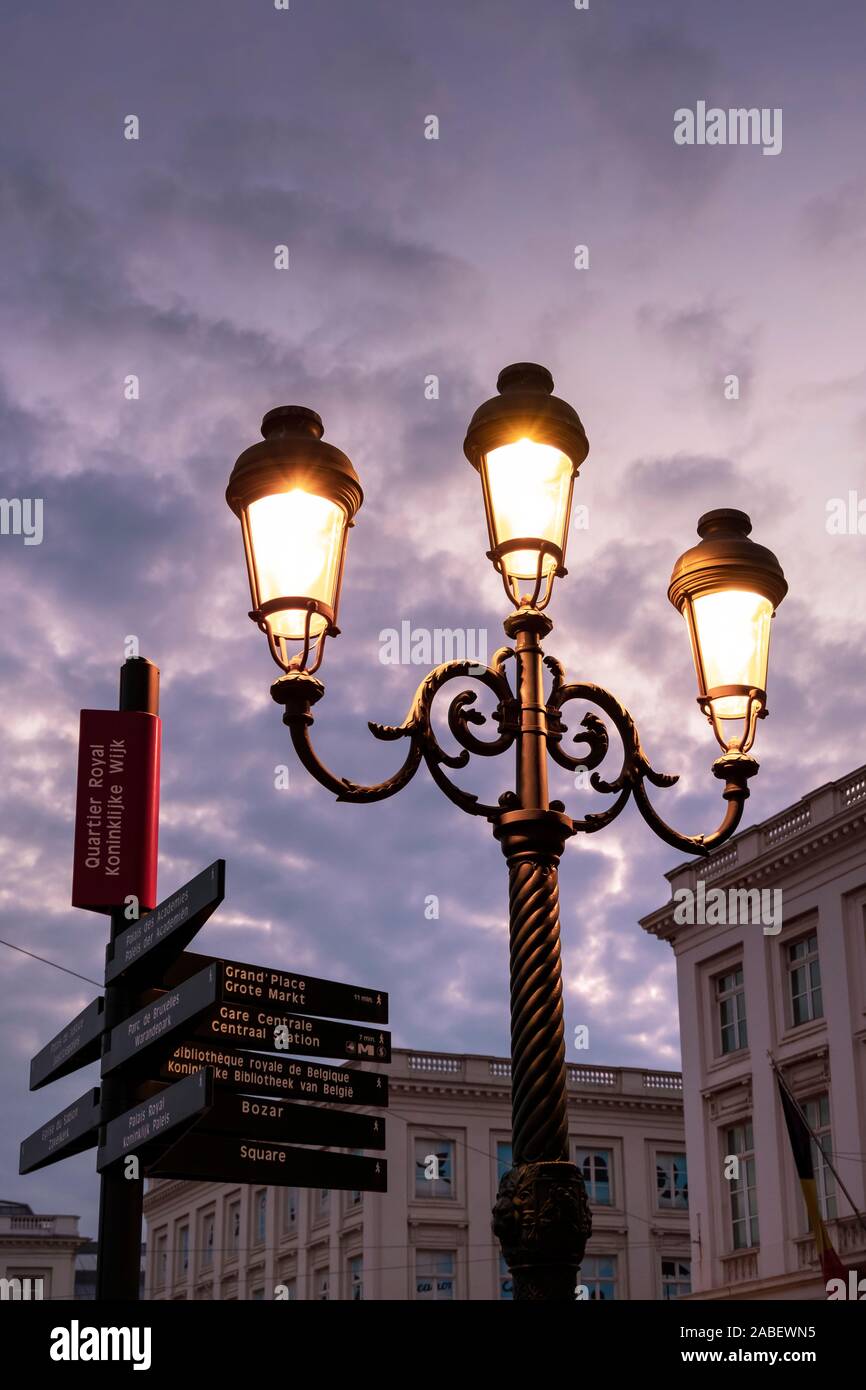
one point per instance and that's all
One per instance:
(785, 980)
(429, 1237)
(38, 1248)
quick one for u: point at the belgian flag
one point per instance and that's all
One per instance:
(801, 1145)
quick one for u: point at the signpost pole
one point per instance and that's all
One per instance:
(120, 1199)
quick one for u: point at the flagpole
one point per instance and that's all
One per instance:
(816, 1140)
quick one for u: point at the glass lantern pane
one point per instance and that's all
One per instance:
(529, 486)
(733, 630)
(296, 539)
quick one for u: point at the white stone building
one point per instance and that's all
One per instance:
(796, 990)
(431, 1238)
(37, 1248)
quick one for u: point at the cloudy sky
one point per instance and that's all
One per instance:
(408, 257)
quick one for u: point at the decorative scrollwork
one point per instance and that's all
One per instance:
(636, 769)
(418, 728)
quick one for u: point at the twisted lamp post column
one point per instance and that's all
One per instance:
(296, 496)
(541, 1215)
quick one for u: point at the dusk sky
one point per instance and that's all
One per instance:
(409, 257)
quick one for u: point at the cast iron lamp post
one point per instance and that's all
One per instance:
(296, 496)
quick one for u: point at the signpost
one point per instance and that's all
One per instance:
(217, 1158)
(240, 983)
(117, 808)
(159, 1020)
(199, 1074)
(70, 1132)
(76, 1045)
(259, 1074)
(305, 1036)
(162, 933)
(260, 1117)
(176, 1105)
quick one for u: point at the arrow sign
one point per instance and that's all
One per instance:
(218, 1158)
(169, 927)
(147, 1122)
(257, 1074)
(74, 1047)
(309, 1036)
(257, 1117)
(160, 1019)
(240, 983)
(70, 1132)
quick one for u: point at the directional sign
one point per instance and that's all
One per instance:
(160, 1019)
(74, 1047)
(257, 1027)
(257, 1117)
(258, 1074)
(218, 1158)
(70, 1132)
(240, 983)
(169, 927)
(116, 809)
(176, 1105)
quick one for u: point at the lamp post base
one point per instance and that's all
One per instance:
(542, 1221)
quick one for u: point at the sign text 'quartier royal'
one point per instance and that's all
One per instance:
(262, 1074)
(239, 982)
(257, 1028)
(116, 810)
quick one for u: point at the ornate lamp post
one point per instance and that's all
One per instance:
(296, 497)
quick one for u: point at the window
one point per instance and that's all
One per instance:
(804, 980)
(355, 1197)
(731, 1001)
(207, 1230)
(598, 1273)
(596, 1166)
(434, 1274)
(261, 1215)
(322, 1285)
(434, 1168)
(506, 1283)
(356, 1278)
(323, 1203)
(672, 1182)
(817, 1112)
(234, 1231)
(291, 1288)
(257, 1295)
(290, 1209)
(504, 1160)
(182, 1251)
(160, 1272)
(739, 1141)
(676, 1278)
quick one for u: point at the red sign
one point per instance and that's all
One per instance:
(116, 810)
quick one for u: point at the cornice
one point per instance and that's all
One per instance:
(773, 864)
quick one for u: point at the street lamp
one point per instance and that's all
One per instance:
(728, 589)
(296, 497)
(527, 446)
